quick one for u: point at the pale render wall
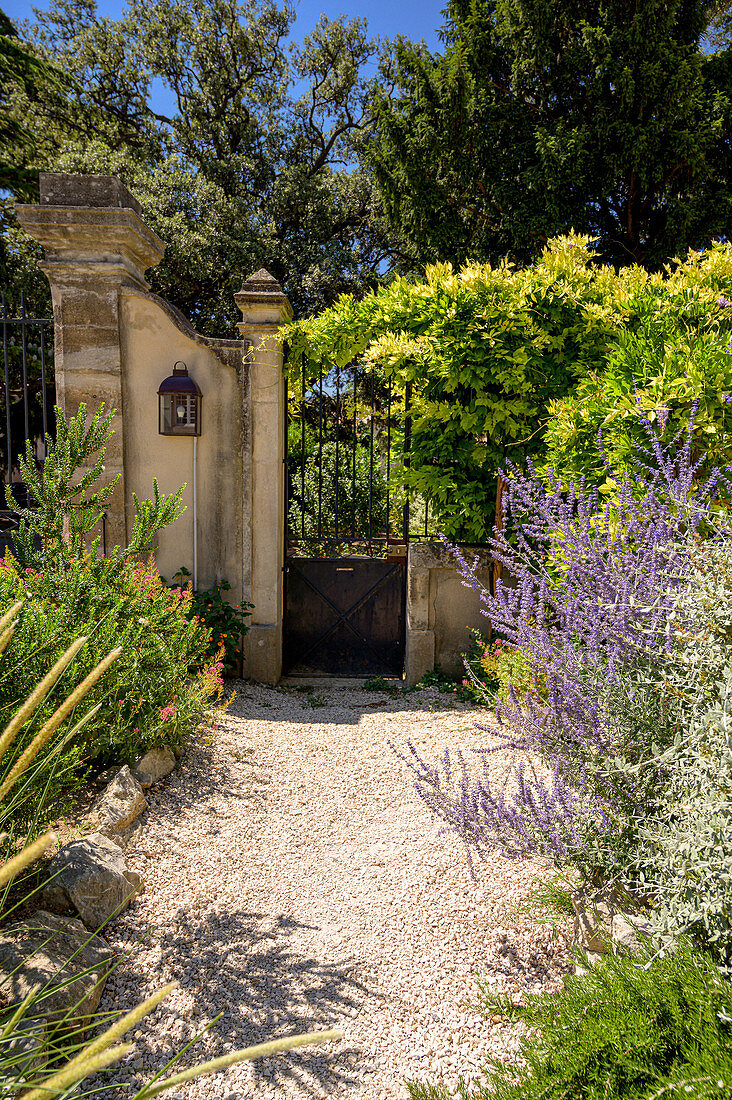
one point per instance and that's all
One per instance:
(454, 611)
(152, 339)
(441, 611)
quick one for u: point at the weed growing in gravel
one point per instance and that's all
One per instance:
(548, 898)
(381, 684)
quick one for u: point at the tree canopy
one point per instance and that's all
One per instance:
(541, 117)
(536, 118)
(255, 164)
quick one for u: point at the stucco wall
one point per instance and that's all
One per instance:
(440, 610)
(153, 338)
(115, 342)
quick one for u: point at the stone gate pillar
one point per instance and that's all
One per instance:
(264, 308)
(95, 244)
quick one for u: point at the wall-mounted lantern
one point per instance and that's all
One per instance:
(179, 401)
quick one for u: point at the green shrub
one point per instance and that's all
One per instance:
(627, 1029)
(490, 350)
(669, 776)
(159, 688)
(681, 855)
(666, 365)
(494, 668)
(226, 622)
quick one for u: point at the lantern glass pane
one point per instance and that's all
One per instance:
(179, 414)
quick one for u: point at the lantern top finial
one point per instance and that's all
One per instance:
(179, 381)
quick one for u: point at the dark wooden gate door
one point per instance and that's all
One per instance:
(348, 523)
(344, 617)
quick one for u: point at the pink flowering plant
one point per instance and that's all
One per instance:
(166, 677)
(493, 667)
(226, 621)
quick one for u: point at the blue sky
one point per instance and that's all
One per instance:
(414, 18)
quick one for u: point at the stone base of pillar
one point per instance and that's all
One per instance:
(420, 655)
(263, 653)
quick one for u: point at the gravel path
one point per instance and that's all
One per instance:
(296, 882)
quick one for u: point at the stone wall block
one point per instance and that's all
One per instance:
(92, 389)
(264, 309)
(419, 656)
(67, 189)
(88, 307)
(441, 610)
(93, 346)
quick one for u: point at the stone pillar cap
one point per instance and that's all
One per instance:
(66, 189)
(261, 291)
(90, 227)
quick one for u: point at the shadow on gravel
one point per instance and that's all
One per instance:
(320, 703)
(244, 964)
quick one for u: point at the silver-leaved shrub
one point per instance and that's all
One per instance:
(683, 849)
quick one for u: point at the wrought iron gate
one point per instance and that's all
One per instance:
(26, 403)
(348, 524)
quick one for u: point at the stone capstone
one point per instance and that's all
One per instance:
(119, 806)
(57, 958)
(64, 189)
(154, 766)
(91, 876)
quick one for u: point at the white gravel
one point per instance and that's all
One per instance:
(296, 882)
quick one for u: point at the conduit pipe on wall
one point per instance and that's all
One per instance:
(195, 523)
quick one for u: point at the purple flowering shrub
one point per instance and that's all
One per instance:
(593, 584)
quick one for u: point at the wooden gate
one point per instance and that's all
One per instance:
(345, 617)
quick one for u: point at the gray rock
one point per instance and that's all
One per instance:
(23, 1053)
(119, 805)
(593, 919)
(629, 931)
(91, 876)
(154, 766)
(58, 959)
(607, 920)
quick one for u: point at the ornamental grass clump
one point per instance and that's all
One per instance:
(593, 587)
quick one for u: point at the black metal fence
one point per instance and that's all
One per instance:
(348, 443)
(27, 400)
